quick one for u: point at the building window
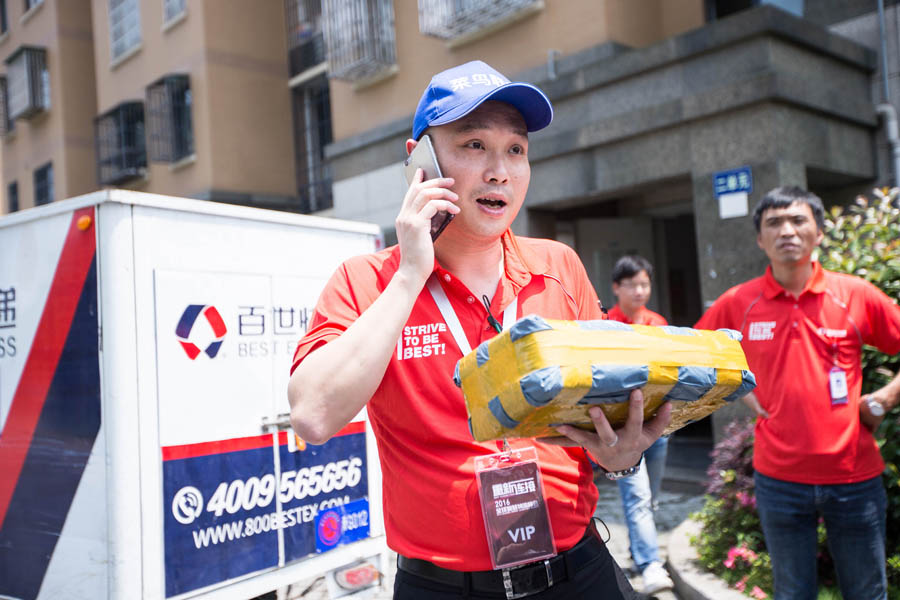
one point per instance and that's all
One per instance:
(306, 42)
(6, 124)
(124, 26)
(170, 132)
(718, 9)
(29, 4)
(172, 9)
(359, 38)
(43, 185)
(27, 82)
(4, 24)
(12, 197)
(450, 19)
(121, 154)
(312, 132)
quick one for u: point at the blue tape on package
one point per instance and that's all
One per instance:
(672, 330)
(735, 335)
(482, 355)
(604, 325)
(611, 384)
(693, 382)
(527, 326)
(500, 413)
(748, 382)
(541, 386)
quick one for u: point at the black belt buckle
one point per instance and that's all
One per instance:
(526, 580)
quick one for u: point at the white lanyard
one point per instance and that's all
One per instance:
(443, 303)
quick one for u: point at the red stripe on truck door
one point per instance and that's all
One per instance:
(40, 366)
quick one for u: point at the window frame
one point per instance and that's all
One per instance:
(37, 88)
(117, 160)
(169, 124)
(10, 207)
(7, 125)
(48, 184)
(134, 45)
(169, 20)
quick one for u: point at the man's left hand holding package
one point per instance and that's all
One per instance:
(541, 373)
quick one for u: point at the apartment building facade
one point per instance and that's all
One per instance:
(179, 97)
(672, 118)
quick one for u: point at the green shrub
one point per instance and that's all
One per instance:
(863, 239)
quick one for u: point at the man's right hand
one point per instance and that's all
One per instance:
(753, 402)
(423, 200)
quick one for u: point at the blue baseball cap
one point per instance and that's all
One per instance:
(454, 93)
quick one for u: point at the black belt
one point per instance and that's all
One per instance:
(516, 582)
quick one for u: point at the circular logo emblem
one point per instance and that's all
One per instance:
(330, 528)
(187, 505)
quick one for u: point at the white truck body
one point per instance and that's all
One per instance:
(145, 346)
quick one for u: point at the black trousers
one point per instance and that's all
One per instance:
(601, 579)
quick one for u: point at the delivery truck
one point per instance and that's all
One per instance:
(145, 445)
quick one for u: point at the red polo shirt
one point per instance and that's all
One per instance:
(645, 316)
(431, 505)
(791, 344)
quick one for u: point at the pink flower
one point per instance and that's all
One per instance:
(736, 552)
(757, 593)
(742, 584)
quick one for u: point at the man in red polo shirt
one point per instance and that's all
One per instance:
(814, 453)
(389, 328)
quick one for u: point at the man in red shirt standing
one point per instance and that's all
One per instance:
(390, 327)
(814, 452)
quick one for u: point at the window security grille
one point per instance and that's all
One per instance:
(312, 132)
(12, 197)
(124, 26)
(306, 42)
(119, 135)
(170, 132)
(448, 19)
(359, 38)
(43, 185)
(29, 4)
(6, 125)
(172, 9)
(27, 82)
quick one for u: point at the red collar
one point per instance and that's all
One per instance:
(520, 264)
(814, 285)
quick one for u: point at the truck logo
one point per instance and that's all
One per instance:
(329, 528)
(186, 326)
(187, 505)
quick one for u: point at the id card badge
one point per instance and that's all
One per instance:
(837, 384)
(516, 519)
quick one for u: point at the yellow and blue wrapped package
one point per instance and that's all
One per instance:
(541, 373)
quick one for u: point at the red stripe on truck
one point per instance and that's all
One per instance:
(52, 330)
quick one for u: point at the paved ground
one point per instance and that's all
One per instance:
(680, 497)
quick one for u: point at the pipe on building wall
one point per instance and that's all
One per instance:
(886, 111)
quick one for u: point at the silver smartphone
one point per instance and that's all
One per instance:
(423, 157)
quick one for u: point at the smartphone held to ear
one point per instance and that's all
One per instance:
(423, 157)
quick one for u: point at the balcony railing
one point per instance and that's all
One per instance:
(359, 38)
(28, 82)
(451, 19)
(306, 42)
(121, 152)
